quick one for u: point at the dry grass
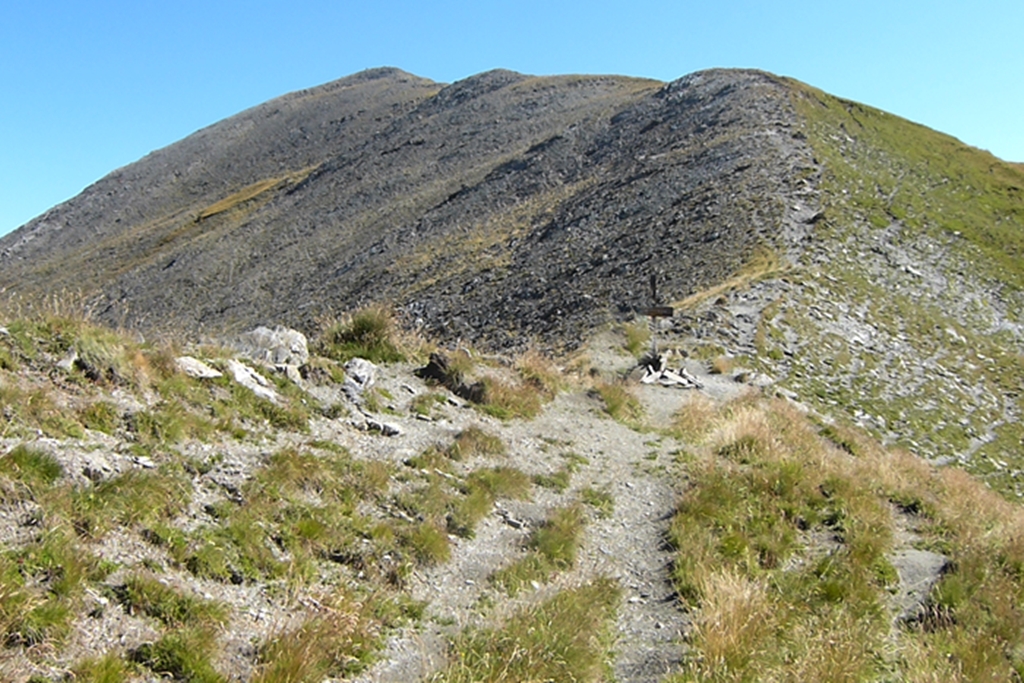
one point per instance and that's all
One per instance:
(770, 608)
(736, 623)
(695, 418)
(338, 640)
(763, 263)
(252, 191)
(722, 365)
(563, 639)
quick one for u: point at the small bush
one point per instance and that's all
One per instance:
(620, 403)
(370, 333)
(563, 639)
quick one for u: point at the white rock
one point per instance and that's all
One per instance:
(193, 367)
(278, 346)
(252, 380)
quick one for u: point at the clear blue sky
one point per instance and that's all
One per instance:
(87, 86)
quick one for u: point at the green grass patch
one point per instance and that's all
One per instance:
(144, 594)
(370, 333)
(566, 638)
(622, 405)
(638, 338)
(183, 654)
(551, 548)
(601, 500)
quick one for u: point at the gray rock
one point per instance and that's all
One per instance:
(359, 376)
(252, 380)
(919, 571)
(278, 346)
(193, 367)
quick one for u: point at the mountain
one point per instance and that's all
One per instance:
(181, 499)
(495, 209)
(867, 264)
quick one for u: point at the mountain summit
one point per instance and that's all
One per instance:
(498, 208)
(866, 264)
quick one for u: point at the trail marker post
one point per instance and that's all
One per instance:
(655, 311)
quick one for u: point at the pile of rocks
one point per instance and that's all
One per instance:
(654, 369)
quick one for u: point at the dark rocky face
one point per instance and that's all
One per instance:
(503, 209)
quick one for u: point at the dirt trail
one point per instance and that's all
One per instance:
(638, 468)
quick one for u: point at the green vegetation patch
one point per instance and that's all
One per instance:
(370, 333)
(891, 169)
(551, 548)
(621, 404)
(785, 537)
(338, 642)
(566, 638)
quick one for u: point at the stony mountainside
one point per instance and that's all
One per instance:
(869, 265)
(498, 209)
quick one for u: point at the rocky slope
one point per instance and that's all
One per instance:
(173, 516)
(497, 209)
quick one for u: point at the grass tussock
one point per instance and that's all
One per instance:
(42, 586)
(369, 333)
(551, 548)
(566, 638)
(621, 404)
(695, 419)
(476, 442)
(772, 602)
(337, 641)
(637, 338)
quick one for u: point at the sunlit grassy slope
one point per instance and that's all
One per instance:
(908, 298)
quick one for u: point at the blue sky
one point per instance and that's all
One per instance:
(91, 85)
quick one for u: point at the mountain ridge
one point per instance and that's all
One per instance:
(353, 183)
(862, 261)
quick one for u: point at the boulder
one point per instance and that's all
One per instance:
(278, 346)
(193, 367)
(359, 376)
(252, 380)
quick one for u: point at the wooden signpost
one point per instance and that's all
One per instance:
(655, 311)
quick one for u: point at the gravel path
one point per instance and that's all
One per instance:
(637, 467)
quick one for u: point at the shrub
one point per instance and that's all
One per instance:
(565, 638)
(369, 333)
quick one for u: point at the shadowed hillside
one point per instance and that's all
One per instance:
(498, 208)
(865, 263)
